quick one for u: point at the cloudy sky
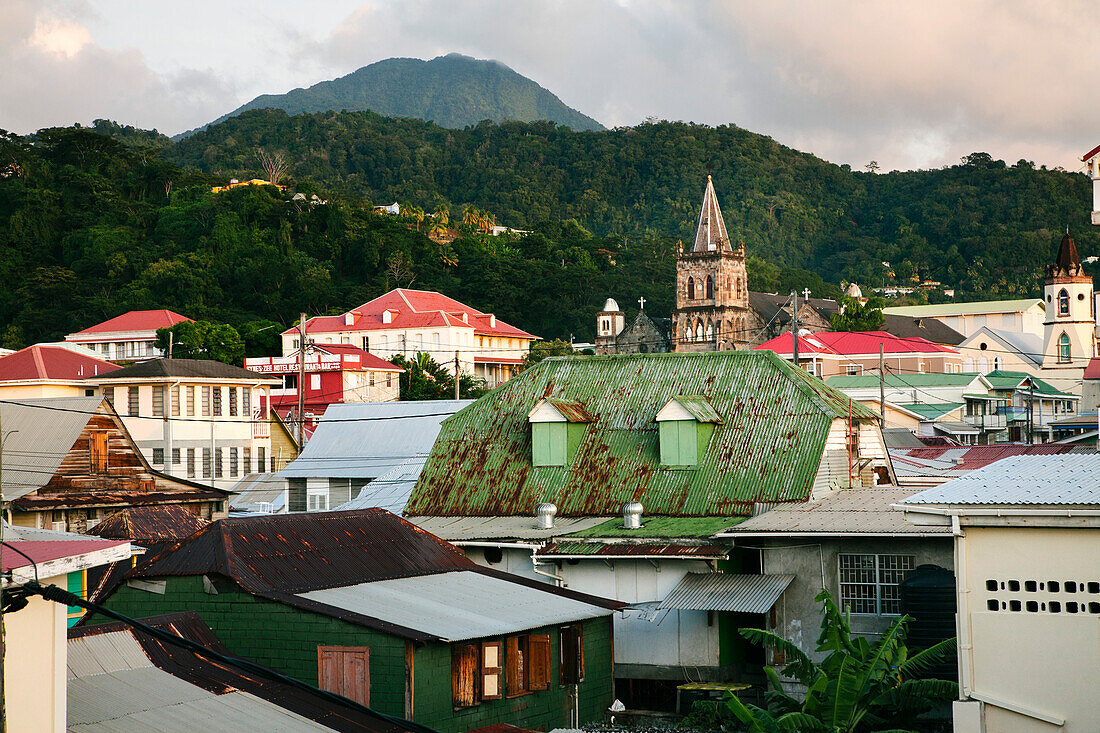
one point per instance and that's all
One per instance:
(909, 85)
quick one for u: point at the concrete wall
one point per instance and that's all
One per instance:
(34, 664)
(816, 565)
(1033, 658)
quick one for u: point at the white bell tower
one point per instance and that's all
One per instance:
(1092, 169)
(609, 324)
(1069, 334)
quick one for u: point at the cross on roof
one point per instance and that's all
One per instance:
(806, 293)
(641, 303)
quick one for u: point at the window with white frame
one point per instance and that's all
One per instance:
(853, 370)
(869, 583)
(316, 501)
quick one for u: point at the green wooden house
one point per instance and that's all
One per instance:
(367, 605)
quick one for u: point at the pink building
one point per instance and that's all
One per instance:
(829, 353)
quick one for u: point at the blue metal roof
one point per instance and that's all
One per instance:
(1067, 479)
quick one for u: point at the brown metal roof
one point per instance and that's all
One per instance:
(632, 549)
(157, 523)
(220, 678)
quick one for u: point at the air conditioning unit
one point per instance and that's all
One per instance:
(58, 526)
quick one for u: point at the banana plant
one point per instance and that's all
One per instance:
(860, 687)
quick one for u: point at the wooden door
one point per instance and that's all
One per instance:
(345, 670)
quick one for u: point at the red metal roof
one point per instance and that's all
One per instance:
(47, 361)
(847, 343)
(1092, 371)
(496, 360)
(1091, 154)
(982, 455)
(136, 321)
(45, 550)
(412, 309)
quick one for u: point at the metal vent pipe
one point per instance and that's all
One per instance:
(632, 515)
(544, 514)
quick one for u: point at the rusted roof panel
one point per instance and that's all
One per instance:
(571, 410)
(633, 549)
(767, 449)
(699, 408)
(295, 553)
(157, 523)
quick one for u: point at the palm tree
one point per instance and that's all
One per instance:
(860, 687)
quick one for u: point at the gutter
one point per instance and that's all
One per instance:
(534, 548)
(1004, 512)
(814, 535)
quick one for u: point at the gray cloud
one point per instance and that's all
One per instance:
(914, 84)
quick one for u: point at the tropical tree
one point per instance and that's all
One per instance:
(425, 379)
(859, 688)
(542, 349)
(202, 340)
(856, 316)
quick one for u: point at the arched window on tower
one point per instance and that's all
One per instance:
(710, 288)
(1063, 302)
(710, 330)
(691, 288)
(698, 330)
(1063, 346)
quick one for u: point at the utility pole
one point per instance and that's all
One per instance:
(3, 641)
(1030, 416)
(301, 380)
(794, 326)
(171, 338)
(882, 386)
(457, 374)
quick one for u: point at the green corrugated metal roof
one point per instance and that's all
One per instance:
(844, 381)
(662, 527)
(699, 408)
(930, 411)
(768, 448)
(1001, 379)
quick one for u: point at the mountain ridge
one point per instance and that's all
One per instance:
(453, 91)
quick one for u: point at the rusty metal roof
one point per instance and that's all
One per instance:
(767, 449)
(571, 410)
(727, 592)
(698, 407)
(634, 549)
(157, 523)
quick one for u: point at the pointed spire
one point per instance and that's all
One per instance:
(1068, 261)
(710, 233)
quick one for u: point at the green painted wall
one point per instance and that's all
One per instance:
(286, 639)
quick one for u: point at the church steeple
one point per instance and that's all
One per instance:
(710, 233)
(1068, 262)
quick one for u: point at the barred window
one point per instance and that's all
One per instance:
(206, 463)
(233, 466)
(246, 402)
(218, 468)
(246, 458)
(205, 401)
(175, 456)
(869, 583)
(158, 456)
(190, 401)
(217, 401)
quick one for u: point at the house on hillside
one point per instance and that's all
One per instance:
(826, 354)
(850, 543)
(50, 370)
(366, 605)
(410, 322)
(35, 663)
(77, 463)
(131, 336)
(334, 373)
(151, 682)
(614, 473)
(1025, 531)
(194, 418)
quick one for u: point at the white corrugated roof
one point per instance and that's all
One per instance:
(391, 490)
(1067, 479)
(38, 434)
(463, 604)
(726, 592)
(113, 686)
(848, 511)
(367, 439)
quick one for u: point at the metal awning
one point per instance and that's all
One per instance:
(957, 428)
(726, 592)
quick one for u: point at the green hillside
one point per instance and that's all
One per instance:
(981, 226)
(453, 91)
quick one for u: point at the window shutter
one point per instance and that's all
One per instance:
(571, 667)
(464, 675)
(97, 452)
(689, 432)
(490, 670)
(515, 668)
(538, 664)
(345, 670)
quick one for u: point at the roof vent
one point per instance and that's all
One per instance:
(632, 515)
(492, 321)
(544, 514)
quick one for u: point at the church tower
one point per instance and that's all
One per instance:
(712, 293)
(1069, 339)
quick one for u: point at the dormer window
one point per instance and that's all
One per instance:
(387, 315)
(685, 425)
(557, 428)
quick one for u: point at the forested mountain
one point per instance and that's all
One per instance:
(451, 91)
(981, 226)
(93, 225)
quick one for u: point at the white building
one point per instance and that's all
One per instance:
(195, 418)
(129, 337)
(1092, 164)
(408, 322)
(1027, 531)
(1021, 316)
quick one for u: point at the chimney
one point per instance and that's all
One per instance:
(632, 515)
(544, 514)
